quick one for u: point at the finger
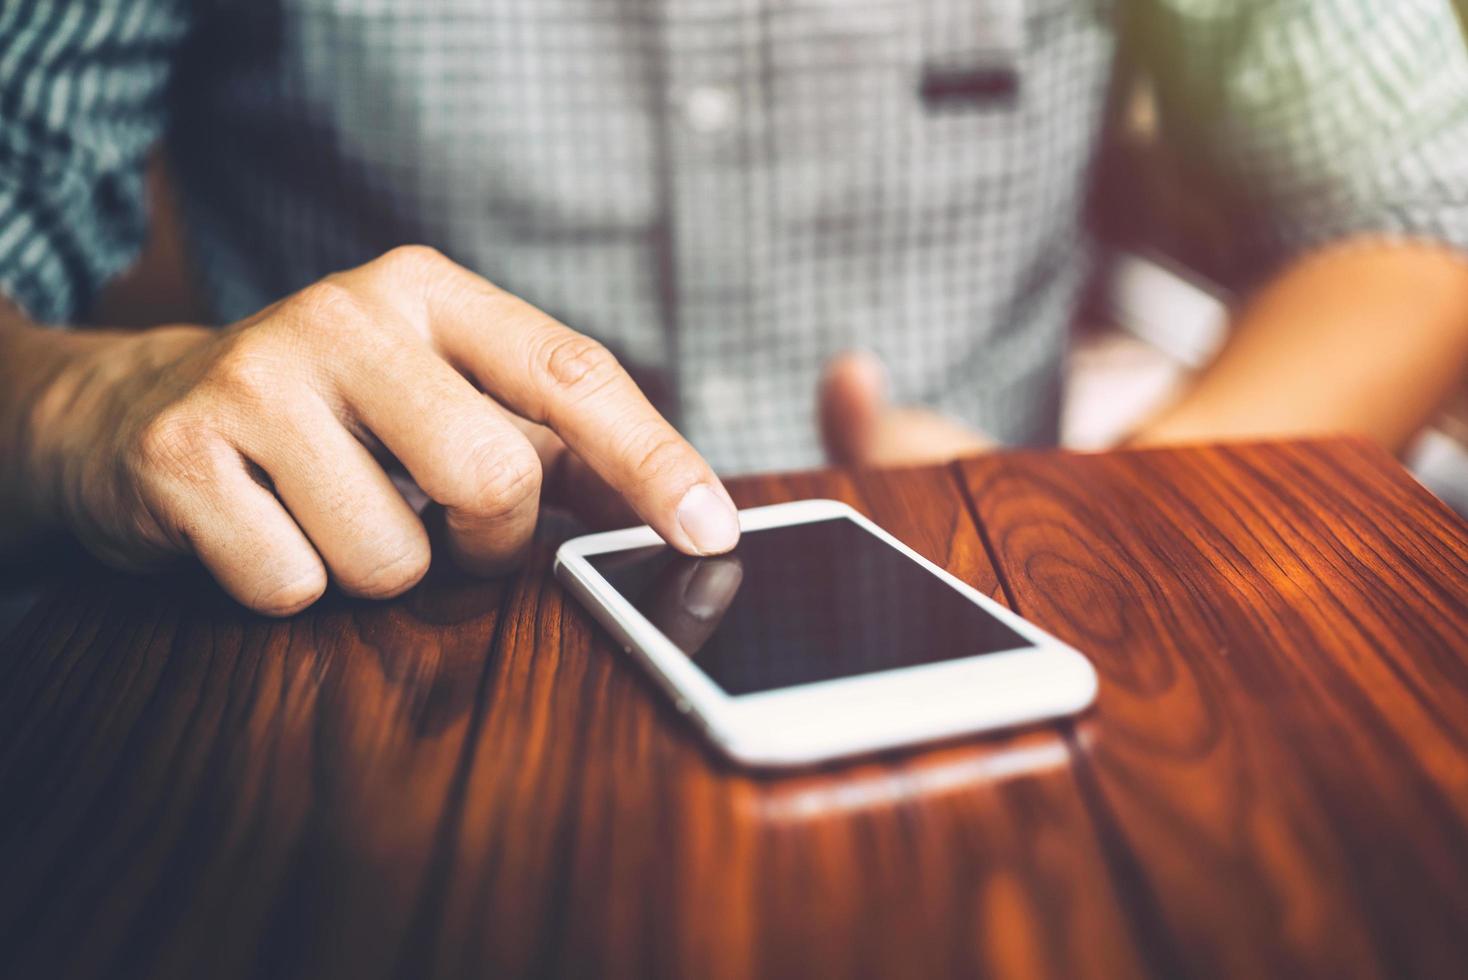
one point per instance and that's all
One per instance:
(371, 540)
(571, 484)
(548, 373)
(852, 402)
(460, 448)
(243, 535)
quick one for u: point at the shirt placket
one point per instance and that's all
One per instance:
(716, 185)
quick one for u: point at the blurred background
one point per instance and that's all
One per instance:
(1160, 306)
(1156, 313)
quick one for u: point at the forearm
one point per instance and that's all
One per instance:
(1366, 338)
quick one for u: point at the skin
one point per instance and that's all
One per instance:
(860, 426)
(1366, 337)
(261, 448)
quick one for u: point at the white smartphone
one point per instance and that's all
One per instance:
(820, 636)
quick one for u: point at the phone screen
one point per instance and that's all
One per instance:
(800, 604)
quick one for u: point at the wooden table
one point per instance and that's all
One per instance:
(473, 781)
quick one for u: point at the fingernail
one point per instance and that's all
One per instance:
(709, 521)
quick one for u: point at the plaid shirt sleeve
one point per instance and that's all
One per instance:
(1325, 119)
(81, 103)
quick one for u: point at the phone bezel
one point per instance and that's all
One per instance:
(811, 723)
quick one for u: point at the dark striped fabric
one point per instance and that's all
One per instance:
(727, 192)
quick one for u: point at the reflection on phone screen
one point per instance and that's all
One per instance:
(800, 604)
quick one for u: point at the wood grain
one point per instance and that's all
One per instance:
(1282, 633)
(472, 781)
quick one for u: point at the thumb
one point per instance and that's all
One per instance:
(853, 399)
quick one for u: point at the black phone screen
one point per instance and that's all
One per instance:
(800, 604)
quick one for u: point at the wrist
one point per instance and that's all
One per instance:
(88, 383)
(48, 372)
(30, 358)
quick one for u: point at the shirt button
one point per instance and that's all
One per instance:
(709, 109)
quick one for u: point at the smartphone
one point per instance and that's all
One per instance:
(820, 636)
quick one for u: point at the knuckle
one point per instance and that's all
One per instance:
(289, 597)
(249, 374)
(575, 365)
(412, 260)
(393, 576)
(178, 443)
(658, 451)
(327, 302)
(503, 476)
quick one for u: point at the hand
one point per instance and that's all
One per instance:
(860, 428)
(253, 447)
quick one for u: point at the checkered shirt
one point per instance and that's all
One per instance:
(727, 192)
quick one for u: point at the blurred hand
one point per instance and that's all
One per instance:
(253, 447)
(861, 428)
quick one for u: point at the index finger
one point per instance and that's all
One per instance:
(546, 372)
